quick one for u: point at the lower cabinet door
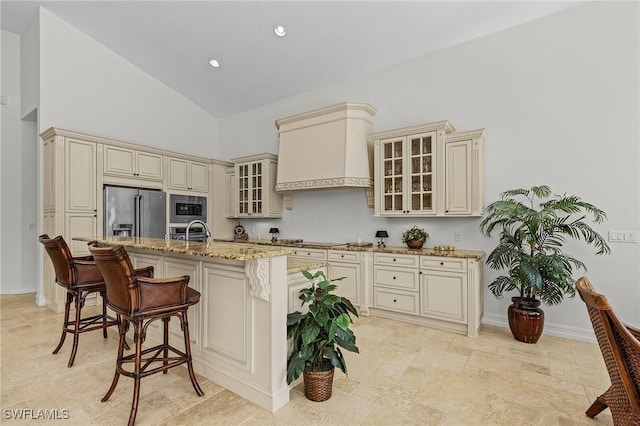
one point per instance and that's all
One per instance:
(444, 295)
(143, 260)
(175, 268)
(227, 326)
(348, 287)
(79, 225)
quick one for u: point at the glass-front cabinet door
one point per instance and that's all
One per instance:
(250, 187)
(408, 174)
(393, 169)
(254, 186)
(421, 159)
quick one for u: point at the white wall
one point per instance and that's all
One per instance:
(86, 87)
(559, 98)
(58, 76)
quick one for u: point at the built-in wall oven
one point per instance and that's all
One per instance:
(185, 208)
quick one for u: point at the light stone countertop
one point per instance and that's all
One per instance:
(462, 254)
(298, 265)
(216, 250)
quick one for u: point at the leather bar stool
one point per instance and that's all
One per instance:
(79, 276)
(139, 301)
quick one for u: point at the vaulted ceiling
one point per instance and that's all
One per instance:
(325, 42)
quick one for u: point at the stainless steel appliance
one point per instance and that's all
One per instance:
(196, 233)
(185, 208)
(134, 212)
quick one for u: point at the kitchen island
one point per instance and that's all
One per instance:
(238, 330)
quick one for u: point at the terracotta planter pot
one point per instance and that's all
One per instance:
(318, 385)
(526, 319)
(415, 244)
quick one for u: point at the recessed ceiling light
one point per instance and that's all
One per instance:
(214, 63)
(279, 30)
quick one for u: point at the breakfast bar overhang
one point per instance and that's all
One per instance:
(239, 331)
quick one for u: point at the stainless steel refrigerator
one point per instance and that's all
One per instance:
(134, 212)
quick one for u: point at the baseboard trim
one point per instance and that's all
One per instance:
(551, 329)
(18, 290)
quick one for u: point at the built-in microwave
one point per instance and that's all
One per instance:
(185, 208)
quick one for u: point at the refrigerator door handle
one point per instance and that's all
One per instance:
(141, 216)
(136, 216)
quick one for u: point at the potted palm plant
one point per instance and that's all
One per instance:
(533, 226)
(317, 336)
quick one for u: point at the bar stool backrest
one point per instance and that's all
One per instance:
(61, 258)
(119, 276)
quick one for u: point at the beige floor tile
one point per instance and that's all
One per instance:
(404, 375)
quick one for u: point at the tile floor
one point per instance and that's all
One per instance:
(404, 375)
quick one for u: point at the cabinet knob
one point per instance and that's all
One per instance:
(342, 255)
(441, 263)
(395, 300)
(394, 278)
(394, 259)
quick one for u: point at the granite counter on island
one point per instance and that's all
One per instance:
(239, 327)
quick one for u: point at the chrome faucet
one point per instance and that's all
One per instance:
(206, 229)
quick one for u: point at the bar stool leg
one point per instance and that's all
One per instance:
(187, 349)
(122, 329)
(165, 343)
(76, 329)
(67, 308)
(136, 374)
(104, 313)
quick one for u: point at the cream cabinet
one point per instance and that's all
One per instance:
(408, 178)
(231, 193)
(464, 173)
(428, 170)
(80, 176)
(396, 282)
(443, 288)
(255, 179)
(143, 260)
(309, 253)
(188, 175)
(131, 163)
(346, 265)
(173, 267)
(437, 291)
(70, 200)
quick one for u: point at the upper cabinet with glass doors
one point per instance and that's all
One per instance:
(428, 170)
(255, 187)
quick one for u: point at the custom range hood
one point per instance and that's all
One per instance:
(327, 148)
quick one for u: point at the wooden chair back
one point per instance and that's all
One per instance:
(61, 258)
(620, 347)
(119, 277)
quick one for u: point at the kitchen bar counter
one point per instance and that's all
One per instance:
(239, 327)
(215, 250)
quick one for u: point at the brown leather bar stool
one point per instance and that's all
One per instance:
(139, 301)
(80, 277)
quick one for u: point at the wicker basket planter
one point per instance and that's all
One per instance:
(318, 384)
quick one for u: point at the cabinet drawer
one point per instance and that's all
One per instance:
(343, 256)
(408, 260)
(402, 278)
(310, 254)
(396, 300)
(443, 263)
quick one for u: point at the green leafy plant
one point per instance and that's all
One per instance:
(318, 334)
(534, 225)
(415, 234)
